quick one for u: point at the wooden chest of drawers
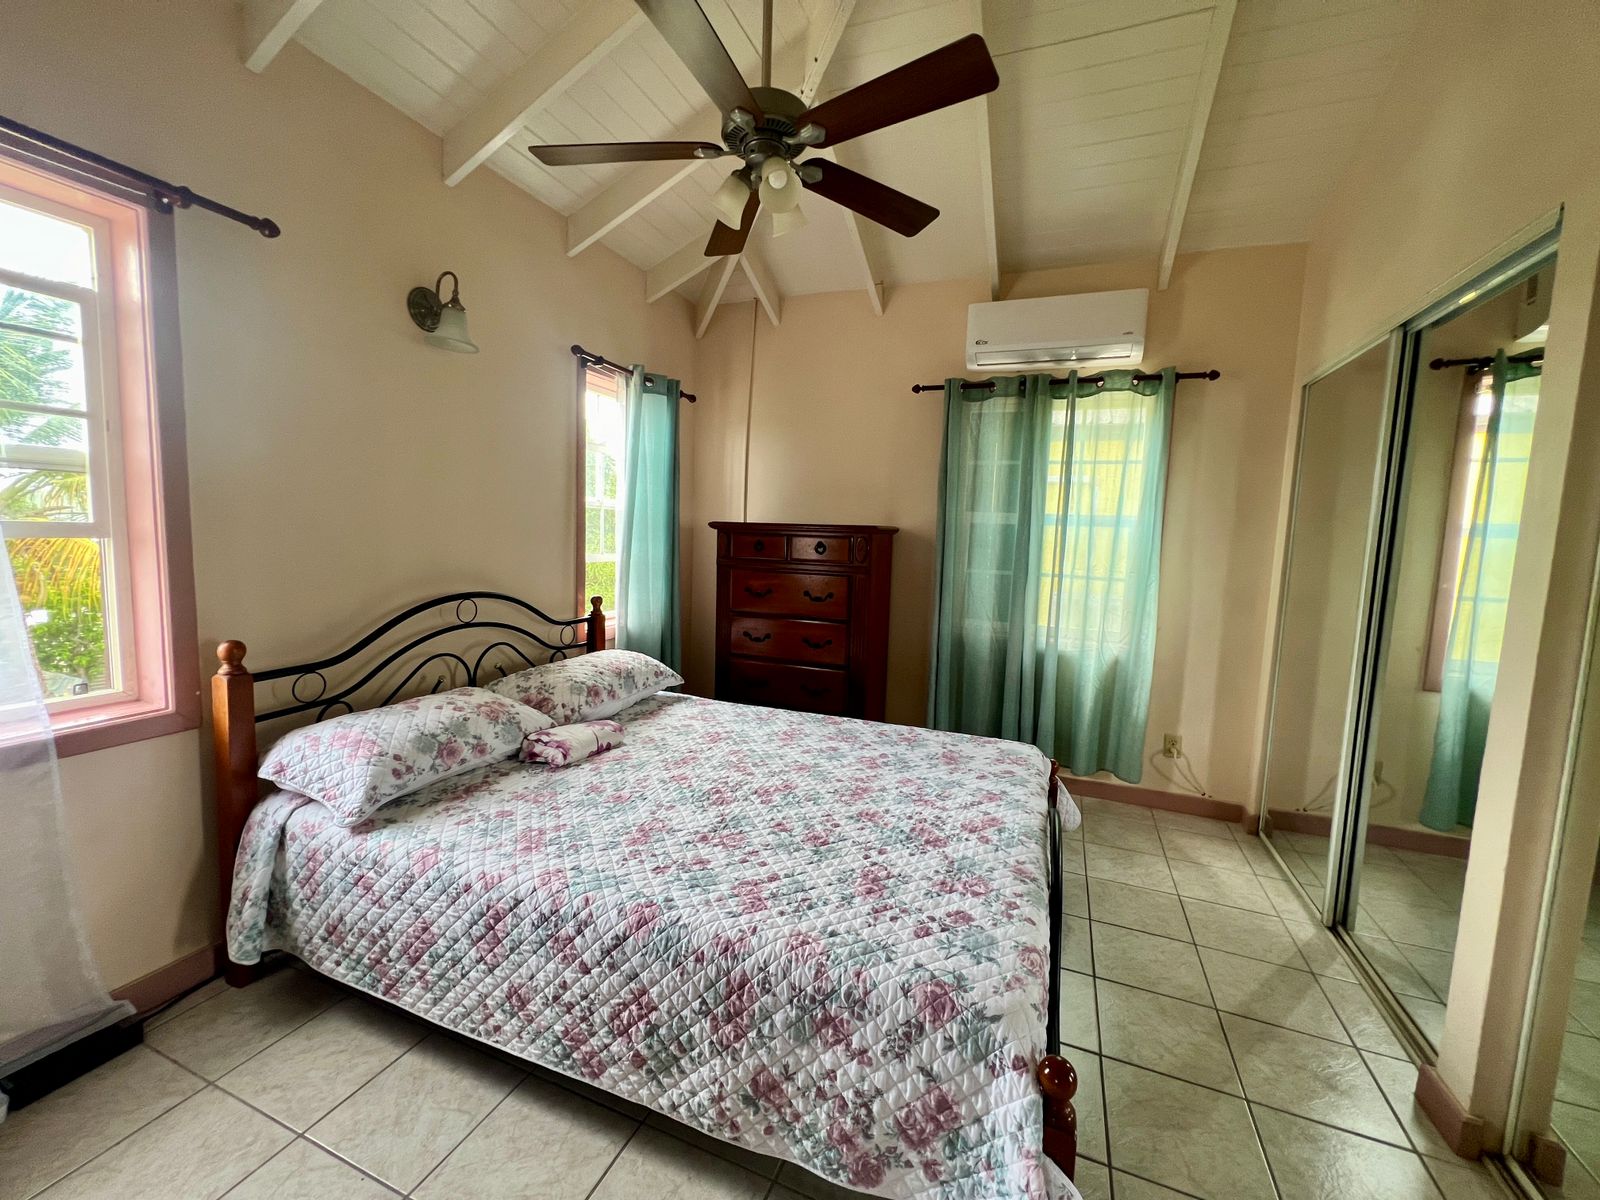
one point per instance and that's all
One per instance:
(803, 616)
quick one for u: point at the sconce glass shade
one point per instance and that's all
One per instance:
(788, 222)
(452, 331)
(730, 198)
(780, 186)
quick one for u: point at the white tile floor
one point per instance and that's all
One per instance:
(1410, 910)
(1225, 1053)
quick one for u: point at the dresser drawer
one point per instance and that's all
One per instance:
(799, 641)
(809, 689)
(819, 549)
(825, 596)
(756, 545)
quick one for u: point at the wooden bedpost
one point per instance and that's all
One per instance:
(233, 741)
(1058, 1080)
(597, 626)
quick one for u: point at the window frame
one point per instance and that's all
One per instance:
(613, 384)
(137, 464)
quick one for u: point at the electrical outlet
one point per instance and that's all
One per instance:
(1172, 745)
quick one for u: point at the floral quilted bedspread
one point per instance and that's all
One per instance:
(819, 938)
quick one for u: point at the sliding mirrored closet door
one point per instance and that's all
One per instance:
(1325, 598)
(1407, 506)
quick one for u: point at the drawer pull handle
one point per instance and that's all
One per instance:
(758, 593)
(816, 599)
(825, 642)
(821, 547)
(750, 637)
(760, 545)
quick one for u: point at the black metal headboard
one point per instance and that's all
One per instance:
(462, 666)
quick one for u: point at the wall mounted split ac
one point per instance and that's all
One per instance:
(1093, 329)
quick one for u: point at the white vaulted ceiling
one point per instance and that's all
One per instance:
(1121, 128)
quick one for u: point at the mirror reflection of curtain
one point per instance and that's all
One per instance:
(1049, 548)
(1483, 586)
(648, 619)
(50, 989)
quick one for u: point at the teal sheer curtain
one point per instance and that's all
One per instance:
(1050, 509)
(648, 619)
(1483, 586)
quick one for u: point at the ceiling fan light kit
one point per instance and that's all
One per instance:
(769, 128)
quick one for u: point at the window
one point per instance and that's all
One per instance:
(600, 533)
(1499, 534)
(83, 482)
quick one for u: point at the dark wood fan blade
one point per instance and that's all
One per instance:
(958, 72)
(692, 38)
(617, 152)
(725, 241)
(894, 210)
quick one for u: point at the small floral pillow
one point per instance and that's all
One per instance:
(568, 744)
(588, 687)
(355, 764)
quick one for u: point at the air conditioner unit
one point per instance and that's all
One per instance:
(1094, 329)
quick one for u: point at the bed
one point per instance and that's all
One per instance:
(828, 940)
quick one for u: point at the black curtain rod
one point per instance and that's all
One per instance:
(1478, 364)
(590, 359)
(988, 385)
(36, 143)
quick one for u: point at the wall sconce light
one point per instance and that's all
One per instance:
(444, 321)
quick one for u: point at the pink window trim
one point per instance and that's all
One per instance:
(155, 472)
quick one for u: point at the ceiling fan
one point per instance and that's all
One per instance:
(769, 129)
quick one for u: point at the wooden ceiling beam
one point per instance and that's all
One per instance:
(593, 32)
(1205, 94)
(637, 189)
(761, 280)
(676, 269)
(711, 293)
(268, 26)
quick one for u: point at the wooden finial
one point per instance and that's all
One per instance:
(594, 605)
(1058, 1083)
(231, 655)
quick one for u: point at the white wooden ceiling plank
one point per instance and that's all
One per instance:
(512, 23)
(423, 26)
(479, 32)
(1240, 77)
(269, 25)
(1313, 119)
(1122, 51)
(563, 59)
(1205, 95)
(1274, 14)
(1176, 92)
(1365, 84)
(1326, 32)
(1017, 27)
(400, 48)
(335, 38)
(1020, 91)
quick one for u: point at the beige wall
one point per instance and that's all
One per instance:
(1457, 172)
(836, 435)
(338, 466)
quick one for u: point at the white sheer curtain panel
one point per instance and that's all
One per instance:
(50, 989)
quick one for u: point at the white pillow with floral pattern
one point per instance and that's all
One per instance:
(355, 764)
(588, 687)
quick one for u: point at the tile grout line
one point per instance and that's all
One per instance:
(493, 1108)
(1272, 1177)
(204, 1083)
(298, 1135)
(628, 1141)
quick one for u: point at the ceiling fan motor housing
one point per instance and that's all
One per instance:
(756, 139)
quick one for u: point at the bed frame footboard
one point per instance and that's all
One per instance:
(1057, 1078)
